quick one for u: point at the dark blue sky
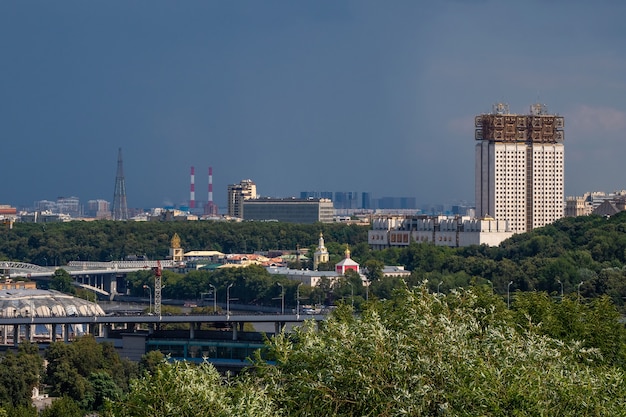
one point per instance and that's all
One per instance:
(297, 95)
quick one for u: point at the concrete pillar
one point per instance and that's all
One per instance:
(53, 332)
(235, 335)
(29, 332)
(5, 339)
(66, 333)
(16, 334)
(192, 331)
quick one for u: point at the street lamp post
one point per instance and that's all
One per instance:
(559, 281)
(581, 283)
(214, 298)
(508, 294)
(351, 293)
(150, 296)
(282, 298)
(439, 285)
(298, 301)
(228, 300)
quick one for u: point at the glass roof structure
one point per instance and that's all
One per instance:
(45, 303)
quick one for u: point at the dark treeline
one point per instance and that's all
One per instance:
(59, 243)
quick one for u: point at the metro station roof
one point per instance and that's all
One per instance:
(45, 303)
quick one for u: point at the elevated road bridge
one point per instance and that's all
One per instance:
(228, 346)
(100, 277)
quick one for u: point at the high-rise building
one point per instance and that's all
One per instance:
(237, 193)
(345, 200)
(69, 205)
(519, 167)
(99, 209)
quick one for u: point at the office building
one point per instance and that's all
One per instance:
(100, 209)
(69, 205)
(237, 193)
(519, 167)
(346, 200)
(290, 210)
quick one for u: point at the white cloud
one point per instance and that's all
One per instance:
(587, 119)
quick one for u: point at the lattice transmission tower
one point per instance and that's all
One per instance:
(120, 208)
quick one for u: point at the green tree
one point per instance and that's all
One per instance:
(374, 270)
(423, 354)
(150, 361)
(62, 281)
(63, 407)
(184, 389)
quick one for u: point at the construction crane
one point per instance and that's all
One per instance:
(157, 288)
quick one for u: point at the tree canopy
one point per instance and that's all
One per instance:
(417, 354)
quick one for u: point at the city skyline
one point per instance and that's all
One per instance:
(351, 95)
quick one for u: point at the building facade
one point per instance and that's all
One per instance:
(398, 231)
(520, 167)
(577, 206)
(290, 210)
(237, 193)
(100, 209)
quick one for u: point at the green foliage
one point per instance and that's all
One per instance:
(423, 354)
(62, 281)
(59, 243)
(19, 411)
(63, 407)
(19, 374)
(150, 361)
(594, 325)
(87, 371)
(183, 389)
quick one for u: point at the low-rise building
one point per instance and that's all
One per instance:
(394, 231)
(289, 210)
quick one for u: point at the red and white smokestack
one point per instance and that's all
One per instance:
(210, 186)
(192, 190)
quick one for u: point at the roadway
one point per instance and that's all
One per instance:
(165, 319)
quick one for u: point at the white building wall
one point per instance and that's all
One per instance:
(452, 232)
(548, 194)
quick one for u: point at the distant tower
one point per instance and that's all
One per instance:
(210, 209)
(192, 190)
(120, 208)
